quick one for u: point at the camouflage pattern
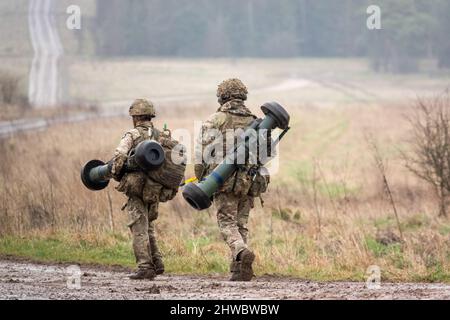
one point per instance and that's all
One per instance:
(233, 208)
(231, 115)
(143, 198)
(129, 140)
(223, 119)
(141, 107)
(231, 89)
(236, 107)
(232, 216)
(142, 215)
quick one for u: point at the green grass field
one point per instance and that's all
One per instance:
(325, 214)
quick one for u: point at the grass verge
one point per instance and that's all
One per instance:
(204, 255)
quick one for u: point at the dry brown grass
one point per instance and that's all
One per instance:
(325, 215)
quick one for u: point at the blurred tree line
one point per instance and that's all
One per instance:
(411, 29)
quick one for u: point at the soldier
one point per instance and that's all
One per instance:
(142, 192)
(233, 201)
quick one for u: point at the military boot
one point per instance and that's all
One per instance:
(235, 269)
(159, 265)
(140, 274)
(246, 258)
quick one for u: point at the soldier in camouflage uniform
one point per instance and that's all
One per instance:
(142, 193)
(232, 200)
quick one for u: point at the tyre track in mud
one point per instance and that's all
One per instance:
(25, 280)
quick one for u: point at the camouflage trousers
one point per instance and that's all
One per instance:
(232, 217)
(142, 216)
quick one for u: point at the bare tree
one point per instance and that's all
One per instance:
(429, 158)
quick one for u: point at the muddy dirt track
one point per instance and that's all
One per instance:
(24, 280)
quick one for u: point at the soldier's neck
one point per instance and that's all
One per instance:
(144, 124)
(235, 100)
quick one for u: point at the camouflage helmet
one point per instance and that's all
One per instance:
(142, 107)
(231, 89)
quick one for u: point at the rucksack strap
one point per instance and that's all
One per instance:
(155, 134)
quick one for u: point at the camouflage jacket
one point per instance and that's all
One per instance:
(221, 120)
(231, 115)
(129, 140)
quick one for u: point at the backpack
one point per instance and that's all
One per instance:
(171, 173)
(157, 185)
(252, 180)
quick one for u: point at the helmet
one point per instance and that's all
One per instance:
(142, 107)
(231, 88)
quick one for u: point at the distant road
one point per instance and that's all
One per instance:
(9, 128)
(110, 109)
(104, 110)
(44, 78)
